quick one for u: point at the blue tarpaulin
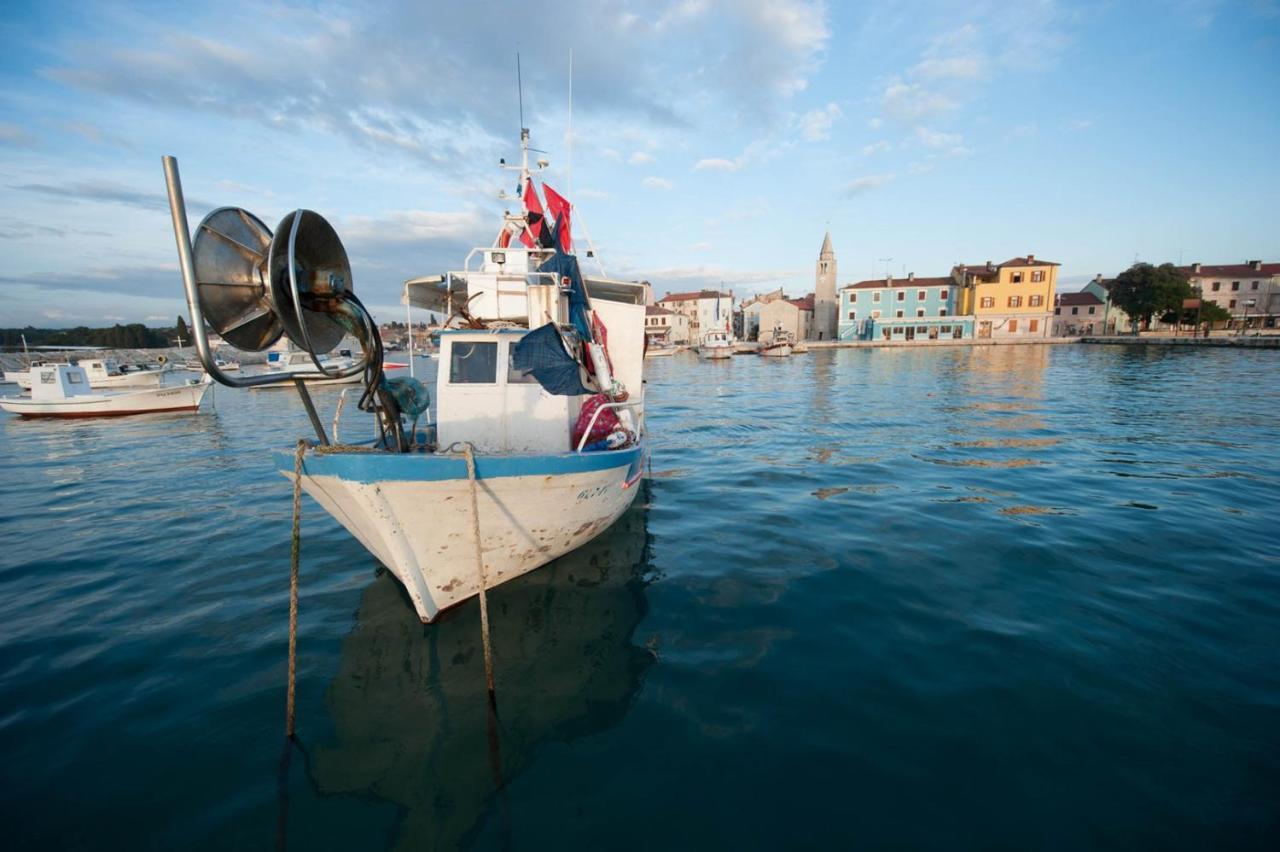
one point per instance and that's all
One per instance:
(542, 353)
(564, 265)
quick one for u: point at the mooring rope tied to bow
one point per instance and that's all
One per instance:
(295, 550)
(468, 452)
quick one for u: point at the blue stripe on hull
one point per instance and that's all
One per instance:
(429, 467)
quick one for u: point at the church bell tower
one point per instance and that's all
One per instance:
(824, 293)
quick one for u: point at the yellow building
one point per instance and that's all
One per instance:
(1013, 299)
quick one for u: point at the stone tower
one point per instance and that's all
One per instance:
(824, 293)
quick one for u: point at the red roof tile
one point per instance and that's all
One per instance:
(1242, 270)
(1029, 260)
(654, 310)
(804, 304)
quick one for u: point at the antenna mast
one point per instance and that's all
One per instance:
(569, 142)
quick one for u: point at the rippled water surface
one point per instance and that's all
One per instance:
(1012, 597)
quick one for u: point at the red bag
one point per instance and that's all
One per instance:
(606, 423)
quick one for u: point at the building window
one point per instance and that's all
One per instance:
(1217, 285)
(944, 329)
(1233, 304)
(942, 312)
(902, 295)
(922, 329)
(875, 297)
(988, 301)
(942, 294)
(1037, 276)
(1035, 301)
(875, 315)
(853, 315)
(1255, 286)
(853, 297)
(1015, 301)
(1057, 312)
(898, 314)
(1033, 325)
(1091, 309)
(921, 295)
(1235, 285)
(1013, 326)
(1075, 311)
(1017, 278)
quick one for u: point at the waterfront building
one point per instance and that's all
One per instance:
(665, 328)
(902, 309)
(825, 320)
(1079, 314)
(1013, 299)
(705, 310)
(751, 312)
(1250, 291)
(795, 316)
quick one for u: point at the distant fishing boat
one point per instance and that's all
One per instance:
(300, 365)
(63, 390)
(777, 344)
(715, 345)
(106, 374)
(660, 351)
(540, 381)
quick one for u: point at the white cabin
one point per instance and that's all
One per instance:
(58, 381)
(479, 396)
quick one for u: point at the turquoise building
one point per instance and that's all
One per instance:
(902, 309)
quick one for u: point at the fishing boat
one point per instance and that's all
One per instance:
(63, 390)
(715, 345)
(535, 440)
(660, 351)
(776, 344)
(300, 365)
(107, 374)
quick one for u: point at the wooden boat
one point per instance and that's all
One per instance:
(660, 351)
(63, 390)
(776, 344)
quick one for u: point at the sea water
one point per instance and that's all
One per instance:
(997, 597)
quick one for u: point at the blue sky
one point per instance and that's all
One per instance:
(713, 141)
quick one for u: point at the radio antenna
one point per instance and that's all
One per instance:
(520, 90)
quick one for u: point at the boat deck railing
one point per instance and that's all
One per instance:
(582, 442)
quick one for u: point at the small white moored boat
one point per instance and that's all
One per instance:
(63, 390)
(715, 345)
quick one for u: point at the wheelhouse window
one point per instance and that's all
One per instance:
(473, 362)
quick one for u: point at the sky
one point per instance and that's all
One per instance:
(712, 144)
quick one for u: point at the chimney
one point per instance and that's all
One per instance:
(990, 266)
(1256, 264)
(911, 276)
(1195, 267)
(1031, 258)
(1098, 278)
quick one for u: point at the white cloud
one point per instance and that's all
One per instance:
(862, 185)
(951, 68)
(16, 137)
(911, 101)
(658, 183)
(875, 148)
(1080, 124)
(640, 158)
(816, 124)
(875, 123)
(936, 139)
(718, 164)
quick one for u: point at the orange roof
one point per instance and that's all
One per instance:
(685, 297)
(1244, 270)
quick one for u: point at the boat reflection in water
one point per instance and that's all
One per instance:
(409, 707)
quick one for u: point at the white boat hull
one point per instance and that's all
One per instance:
(413, 512)
(782, 350)
(152, 401)
(715, 353)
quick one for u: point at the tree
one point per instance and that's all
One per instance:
(1209, 312)
(181, 330)
(1143, 291)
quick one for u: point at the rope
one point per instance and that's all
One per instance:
(294, 551)
(484, 601)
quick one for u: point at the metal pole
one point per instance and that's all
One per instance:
(408, 318)
(311, 410)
